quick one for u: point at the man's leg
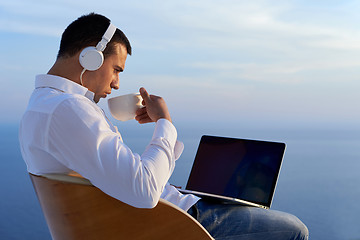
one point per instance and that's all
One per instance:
(230, 221)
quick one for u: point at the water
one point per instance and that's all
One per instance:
(20, 212)
(318, 182)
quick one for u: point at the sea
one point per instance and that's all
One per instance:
(319, 180)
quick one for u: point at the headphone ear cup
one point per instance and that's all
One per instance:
(91, 59)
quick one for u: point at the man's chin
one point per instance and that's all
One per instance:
(96, 99)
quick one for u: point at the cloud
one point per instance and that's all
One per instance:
(257, 40)
(281, 72)
(44, 18)
(210, 23)
(233, 21)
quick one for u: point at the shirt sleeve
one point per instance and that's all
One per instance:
(184, 201)
(81, 139)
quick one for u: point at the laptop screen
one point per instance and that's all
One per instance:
(237, 168)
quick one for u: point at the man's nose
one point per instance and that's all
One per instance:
(115, 84)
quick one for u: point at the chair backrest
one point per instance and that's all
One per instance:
(75, 209)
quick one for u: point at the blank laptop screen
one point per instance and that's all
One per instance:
(237, 168)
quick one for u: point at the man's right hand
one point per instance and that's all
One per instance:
(155, 108)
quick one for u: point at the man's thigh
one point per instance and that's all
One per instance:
(230, 221)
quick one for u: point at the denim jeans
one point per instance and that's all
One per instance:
(231, 221)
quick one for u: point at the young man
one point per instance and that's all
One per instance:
(64, 130)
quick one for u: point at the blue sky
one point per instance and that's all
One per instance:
(254, 63)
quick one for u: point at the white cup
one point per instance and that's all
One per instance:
(123, 107)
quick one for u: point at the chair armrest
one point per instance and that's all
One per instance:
(68, 178)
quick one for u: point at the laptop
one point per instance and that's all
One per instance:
(234, 170)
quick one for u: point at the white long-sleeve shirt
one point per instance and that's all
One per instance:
(63, 129)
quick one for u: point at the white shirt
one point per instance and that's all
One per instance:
(63, 130)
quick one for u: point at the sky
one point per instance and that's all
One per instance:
(259, 63)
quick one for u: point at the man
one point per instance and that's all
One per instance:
(64, 130)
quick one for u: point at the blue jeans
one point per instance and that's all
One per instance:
(231, 221)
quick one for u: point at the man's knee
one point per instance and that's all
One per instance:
(294, 225)
(302, 229)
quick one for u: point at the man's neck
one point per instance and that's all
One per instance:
(68, 68)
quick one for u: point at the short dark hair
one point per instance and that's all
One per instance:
(87, 31)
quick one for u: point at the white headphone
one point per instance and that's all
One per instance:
(91, 58)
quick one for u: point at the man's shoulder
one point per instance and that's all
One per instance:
(49, 100)
(73, 98)
(74, 101)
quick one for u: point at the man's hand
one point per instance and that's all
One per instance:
(155, 108)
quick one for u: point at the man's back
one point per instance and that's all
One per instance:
(35, 128)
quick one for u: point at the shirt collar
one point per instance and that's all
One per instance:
(62, 84)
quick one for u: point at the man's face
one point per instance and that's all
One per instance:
(106, 77)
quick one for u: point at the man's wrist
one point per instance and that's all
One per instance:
(165, 128)
(166, 118)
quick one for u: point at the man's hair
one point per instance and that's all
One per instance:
(87, 31)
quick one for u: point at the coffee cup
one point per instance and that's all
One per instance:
(123, 107)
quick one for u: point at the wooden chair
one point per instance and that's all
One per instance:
(75, 209)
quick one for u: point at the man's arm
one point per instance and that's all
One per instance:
(82, 140)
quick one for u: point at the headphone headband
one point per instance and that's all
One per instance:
(91, 58)
(110, 31)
